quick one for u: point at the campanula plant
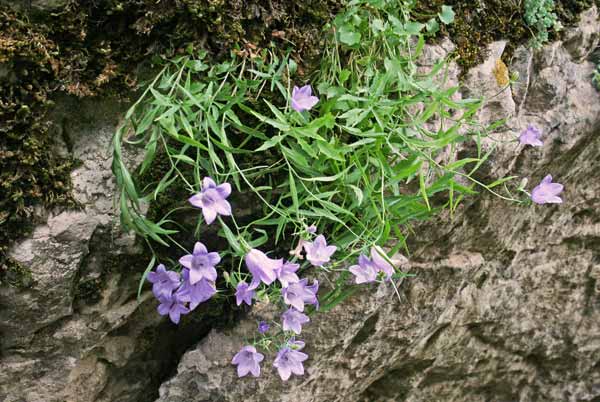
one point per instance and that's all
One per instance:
(335, 167)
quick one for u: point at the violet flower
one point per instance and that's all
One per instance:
(263, 327)
(531, 136)
(262, 267)
(174, 306)
(244, 293)
(287, 273)
(378, 257)
(312, 229)
(318, 252)
(547, 192)
(197, 293)
(201, 264)
(365, 271)
(247, 361)
(288, 362)
(293, 320)
(299, 293)
(302, 98)
(163, 282)
(212, 200)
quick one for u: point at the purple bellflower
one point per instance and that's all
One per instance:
(318, 252)
(531, 136)
(302, 98)
(247, 361)
(379, 259)
(197, 293)
(312, 229)
(293, 320)
(547, 192)
(244, 293)
(299, 293)
(201, 264)
(287, 274)
(212, 200)
(289, 361)
(163, 282)
(262, 267)
(263, 327)
(174, 306)
(365, 271)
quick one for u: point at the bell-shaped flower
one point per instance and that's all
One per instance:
(293, 320)
(244, 293)
(298, 294)
(212, 200)
(288, 362)
(547, 192)
(262, 268)
(197, 293)
(201, 264)
(287, 273)
(164, 282)
(531, 136)
(365, 271)
(247, 361)
(380, 261)
(318, 252)
(174, 306)
(303, 99)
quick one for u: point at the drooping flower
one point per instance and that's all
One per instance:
(262, 267)
(263, 327)
(287, 273)
(174, 306)
(302, 98)
(212, 200)
(531, 136)
(318, 252)
(547, 192)
(247, 361)
(379, 259)
(201, 264)
(299, 293)
(289, 361)
(293, 320)
(197, 293)
(244, 293)
(365, 271)
(163, 282)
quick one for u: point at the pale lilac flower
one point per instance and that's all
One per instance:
(365, 271)
(302, 98)
(262, 267)
(247, 361)
(312, 229)
(531, 136)
(289, 361)
(244, 293)
(263, 327)
(174, 306)
(299, 293)
(547, 192)
(293, 320)
(212, 199)
(318, 252)
(201, 264)
(379, 259)
(296, 344)
(287, 273)
(197, 293)
(163, 282)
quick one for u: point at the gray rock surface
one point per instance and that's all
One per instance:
(505, 305)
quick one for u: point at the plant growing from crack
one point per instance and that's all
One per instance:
(336, 170)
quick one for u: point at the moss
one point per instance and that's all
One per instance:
(477, 24)
(94, 48)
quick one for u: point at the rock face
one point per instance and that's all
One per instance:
(505, 305)
(78, 334)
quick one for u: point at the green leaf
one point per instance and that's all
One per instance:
(144, 276)
(348, 36)
(447, 15)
